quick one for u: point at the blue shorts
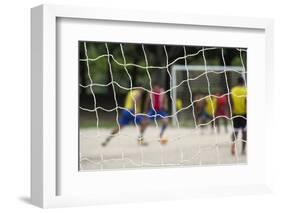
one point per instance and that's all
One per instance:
(156, 114)
(205, 115)
(127, 117)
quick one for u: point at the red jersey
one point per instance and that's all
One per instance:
(157, 99)
(221, 105)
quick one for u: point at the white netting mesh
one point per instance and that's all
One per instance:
(129, 154)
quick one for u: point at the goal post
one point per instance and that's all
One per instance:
(194, 73)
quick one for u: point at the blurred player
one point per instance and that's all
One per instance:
(221, 111)
(157, 108)
(179, 106)
(238, 102)
(199, 106)
(210, 110)
(132, 106)
(205, 108)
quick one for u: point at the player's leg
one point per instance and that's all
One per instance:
(236, 124)
(222, 122)
(123, 121)
(143, 123)
(244, 135)
(244, 141)
(210, 119)
(218, 121)
(162, 115)
(213, 123)
(233, 138)
(165, 122)
(225, 122)
(112, 134)
(202, 121)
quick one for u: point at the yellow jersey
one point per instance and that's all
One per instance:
(238, 97)
(211, 106)
(130, 100)
(179, 104)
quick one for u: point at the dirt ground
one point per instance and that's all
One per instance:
(185, 147)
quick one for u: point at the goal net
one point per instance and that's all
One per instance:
(109, 110)
(190, 80)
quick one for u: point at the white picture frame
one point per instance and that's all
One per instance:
(49, 172)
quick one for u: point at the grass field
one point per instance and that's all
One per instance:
(185, 147)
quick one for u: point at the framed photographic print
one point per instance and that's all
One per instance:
(133, 105)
